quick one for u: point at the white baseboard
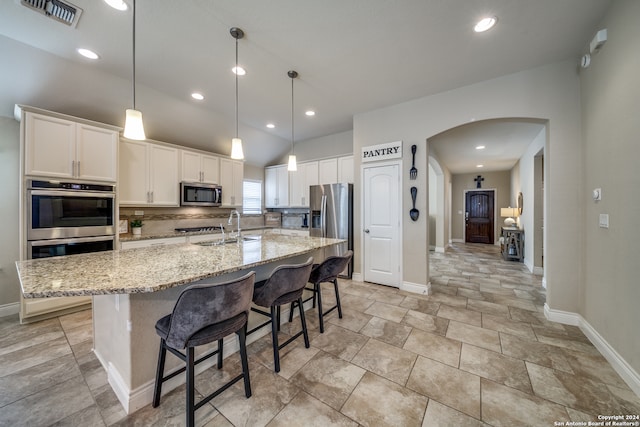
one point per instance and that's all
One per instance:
(416, 288)
(440, 249)
(457, 240)
(544, 281)
(538, 271)
(357, 277)
(628, 374)
(9, 309)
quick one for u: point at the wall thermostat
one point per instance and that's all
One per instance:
(597, 194)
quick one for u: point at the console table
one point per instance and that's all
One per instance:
(513, 247)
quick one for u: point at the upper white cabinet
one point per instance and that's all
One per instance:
(231, 177)
(345, 169)
(276, 187)
(197, 167)
(62, 148)
(148, 174)
(328, 171)
(299, 182)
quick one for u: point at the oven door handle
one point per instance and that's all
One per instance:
(49, 242)
(105, 195)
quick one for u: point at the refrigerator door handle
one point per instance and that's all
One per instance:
(323, 216)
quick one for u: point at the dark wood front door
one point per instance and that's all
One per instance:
(479, 217)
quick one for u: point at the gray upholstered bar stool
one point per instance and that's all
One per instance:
(328, 271)
(285, 285)
(205, 313)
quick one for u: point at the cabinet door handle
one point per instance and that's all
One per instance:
(73, 168)
(78, 168)
(148, 196)
(152, 197)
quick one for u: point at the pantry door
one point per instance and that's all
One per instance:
(382, 246)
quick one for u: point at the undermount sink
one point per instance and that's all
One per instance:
(233, 240)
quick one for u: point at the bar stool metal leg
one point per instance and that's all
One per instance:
(274, 338)
(335, 286)
(242, 337)
(318, 291)
(159, 373)
(305, 333)
(190, 388)
(220, 351)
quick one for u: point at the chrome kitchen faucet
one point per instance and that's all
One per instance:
(235, 211)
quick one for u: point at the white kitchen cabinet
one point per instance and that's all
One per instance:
(231, 176)
(197, 167)
(328, 171)
(276, 187)
(299, 182)
(61, 148)
(345, 169)
(148, 243)
(148, 174)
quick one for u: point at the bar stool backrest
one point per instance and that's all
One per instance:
(202, 305)
(330, 268)
(284, 280)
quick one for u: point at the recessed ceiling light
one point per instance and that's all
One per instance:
(479, 166)
(117, 4)
(480, 147)
(239, 71)
(310, 113)
(88, 53)
(197, 96)
(271, 125)
(485, 24)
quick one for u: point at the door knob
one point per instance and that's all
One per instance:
(366, 230)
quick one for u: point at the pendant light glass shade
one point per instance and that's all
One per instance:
(236, 149)
(133, 127)
(236, 143)
(292, 165)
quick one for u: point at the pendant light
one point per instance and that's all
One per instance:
(292, 166)
(133, 127)
(236, 143)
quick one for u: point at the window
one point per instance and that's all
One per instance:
(251, 197)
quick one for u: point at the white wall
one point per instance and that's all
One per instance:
(610, 128)
(525, 184)
(9, 194)
(548, 93)
(338, 144)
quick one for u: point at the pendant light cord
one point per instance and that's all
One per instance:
(236, 73)
(292, 150)
(134, 54)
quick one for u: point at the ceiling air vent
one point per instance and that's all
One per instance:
(61, 11)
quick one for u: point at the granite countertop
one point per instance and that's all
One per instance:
(131, 238)
(154, 268)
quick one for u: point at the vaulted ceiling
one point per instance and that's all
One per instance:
(352, 56)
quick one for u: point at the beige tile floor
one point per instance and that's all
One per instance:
(477, 352)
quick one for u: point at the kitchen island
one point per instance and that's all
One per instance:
(134, 288)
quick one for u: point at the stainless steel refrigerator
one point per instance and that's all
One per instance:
(331, 207)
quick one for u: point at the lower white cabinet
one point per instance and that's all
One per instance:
(40, 308)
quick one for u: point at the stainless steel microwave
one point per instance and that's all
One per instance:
(197, 194)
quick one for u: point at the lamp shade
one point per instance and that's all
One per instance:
(509, 213)
(133, 127)
(293, 165)
(236, 149)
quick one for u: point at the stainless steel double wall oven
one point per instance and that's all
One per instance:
(66, 218)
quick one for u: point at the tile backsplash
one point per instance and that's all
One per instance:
(163, 220)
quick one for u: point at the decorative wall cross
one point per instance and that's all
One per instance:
(478, 181)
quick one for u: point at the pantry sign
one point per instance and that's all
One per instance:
(390, 150)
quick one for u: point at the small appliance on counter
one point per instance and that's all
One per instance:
(273, 219)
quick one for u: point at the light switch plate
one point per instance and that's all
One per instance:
(604, 221)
